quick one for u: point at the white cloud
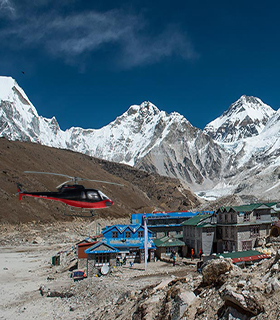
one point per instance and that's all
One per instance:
(71, 36)
(7, 7)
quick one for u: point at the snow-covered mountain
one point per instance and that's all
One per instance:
(238, 152)
(245, 118)
(19, 119)
(249, 133)
(143, 136)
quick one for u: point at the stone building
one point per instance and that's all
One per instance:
(168, 244)
(82, 256)
(99, 255)
(199, 233)
(238, 227)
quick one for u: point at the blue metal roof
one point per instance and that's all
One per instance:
(151, 226)
(123, 227)
(130, 243)
(93, 248)
(138, 217)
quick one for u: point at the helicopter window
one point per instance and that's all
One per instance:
(83, 195)
(103, 196)
(92, 195)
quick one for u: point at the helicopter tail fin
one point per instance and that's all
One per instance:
(20, 194)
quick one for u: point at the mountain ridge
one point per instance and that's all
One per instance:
(223, 159)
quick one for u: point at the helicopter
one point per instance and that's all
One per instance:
(73, 195)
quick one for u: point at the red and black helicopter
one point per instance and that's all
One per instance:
(73, 195)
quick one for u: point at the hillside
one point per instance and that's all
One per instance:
(142, 191)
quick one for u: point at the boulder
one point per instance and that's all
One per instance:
(245, 300)
(215, 268)
(275, 284)
(186, 299)
(275, 268)
(260, 242)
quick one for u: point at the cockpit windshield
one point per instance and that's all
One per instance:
(103, 196)
(93, 195)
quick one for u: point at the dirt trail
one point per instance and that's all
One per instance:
(25, 266)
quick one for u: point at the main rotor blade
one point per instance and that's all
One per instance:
(75, 179)
(117, 184)
(55, 174)
(62, 184)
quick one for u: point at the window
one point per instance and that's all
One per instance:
(127, 234)
(226, 232)
(225, 246)
(103, 258)
(246, 245)
(103, 196)
(219, 233)
(255, 231)
(226, 218)
(92, 195)
(232, 232)
(247, 216)
(115, 234)
(169, 249)
(140, 234)
(258, 215)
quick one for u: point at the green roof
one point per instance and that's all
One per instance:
(247, 207)
(178, 236)
(207, 225)
(168, 242)
(239, 254)
(194, 221)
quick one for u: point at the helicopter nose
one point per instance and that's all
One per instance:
(109, 203)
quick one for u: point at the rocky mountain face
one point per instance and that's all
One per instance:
(238, 153)
(245, 118)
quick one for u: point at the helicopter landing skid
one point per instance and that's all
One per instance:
(79, 213)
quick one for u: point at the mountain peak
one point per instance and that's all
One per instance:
(245, 118)
(249, 103)
(6, 88)
(145, 108)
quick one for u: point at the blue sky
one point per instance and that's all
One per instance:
(86, 61)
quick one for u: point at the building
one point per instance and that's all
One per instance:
(82, 256)
(129, 241)
(168, 244)
(99, 255)
(163, 223)
(238, 227)
(199, 233)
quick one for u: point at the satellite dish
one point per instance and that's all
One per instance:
(105, 269)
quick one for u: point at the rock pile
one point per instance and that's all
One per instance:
(223, 291)
(214, 270)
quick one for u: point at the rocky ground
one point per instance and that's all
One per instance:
(32, 288)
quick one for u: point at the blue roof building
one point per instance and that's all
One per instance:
(129, 241)
(164, 223)
(99, 255)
